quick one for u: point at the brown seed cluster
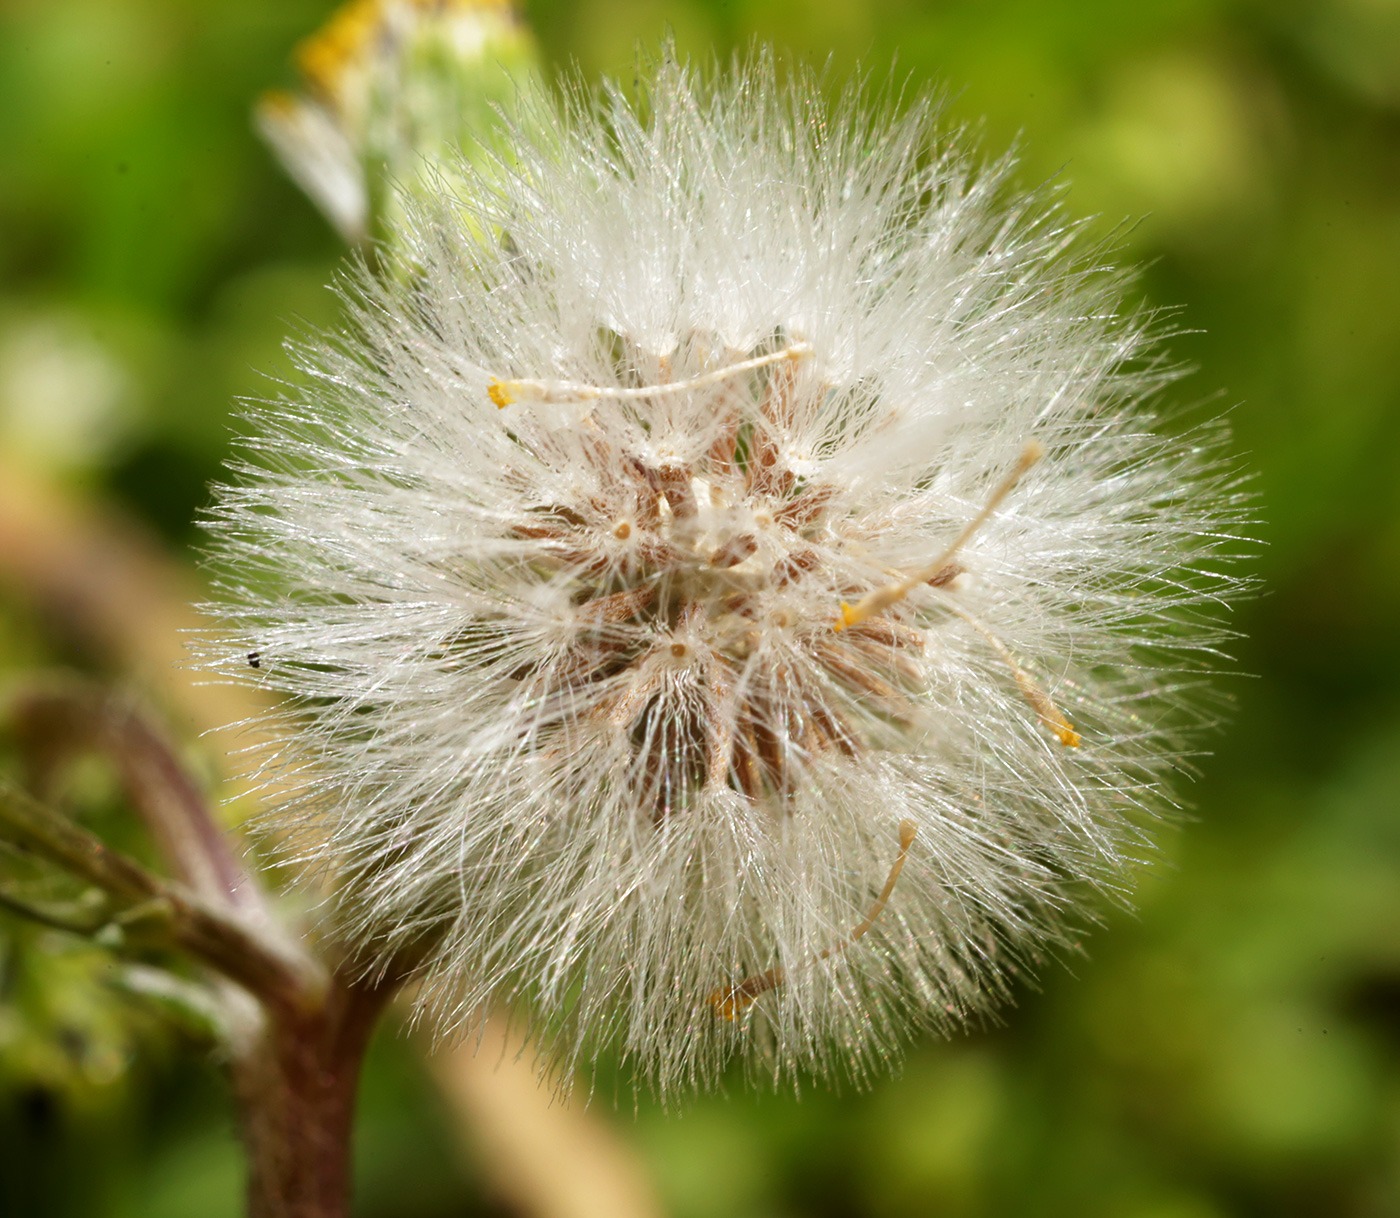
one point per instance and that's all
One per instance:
(691, 580)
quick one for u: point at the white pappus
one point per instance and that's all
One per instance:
(726, 588)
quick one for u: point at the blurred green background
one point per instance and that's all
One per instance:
(1233, 1046)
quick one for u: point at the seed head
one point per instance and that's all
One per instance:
(725, 587)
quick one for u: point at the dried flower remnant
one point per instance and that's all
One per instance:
(386, 84)
(726, 588)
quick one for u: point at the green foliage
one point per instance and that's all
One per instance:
(1230, 1049)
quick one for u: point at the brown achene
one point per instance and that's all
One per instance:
(678, 567)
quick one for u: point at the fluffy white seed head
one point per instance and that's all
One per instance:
(725, 587)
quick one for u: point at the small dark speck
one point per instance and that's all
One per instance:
(255, 659)
(122, 166)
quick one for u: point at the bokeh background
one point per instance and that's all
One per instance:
(1231, 1047)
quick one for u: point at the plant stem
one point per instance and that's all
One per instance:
(261, 960)
(297, 1027)
(57, 720)
(296, 1084)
